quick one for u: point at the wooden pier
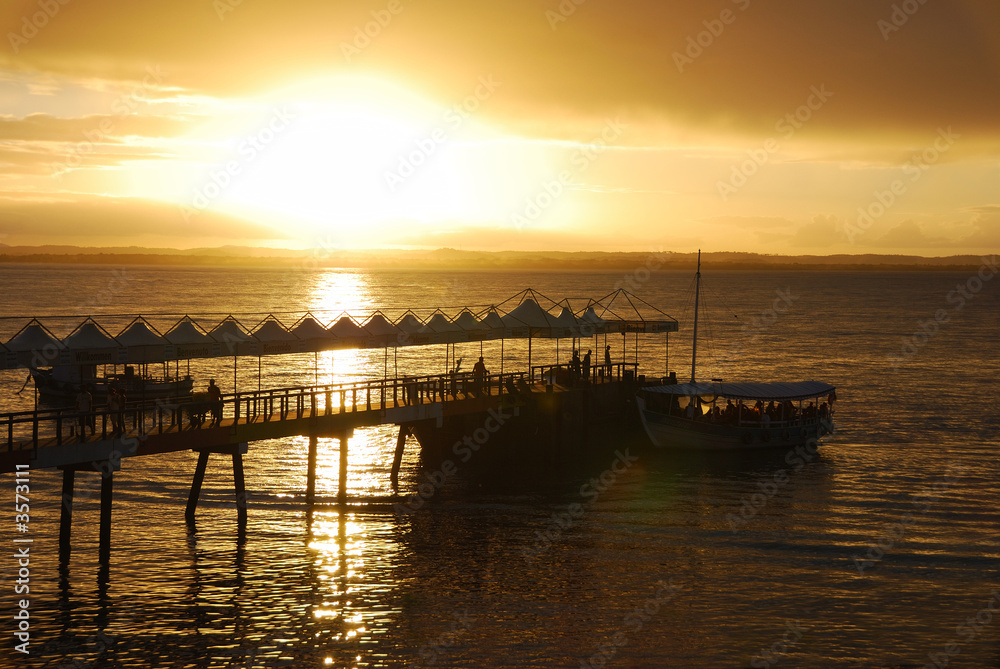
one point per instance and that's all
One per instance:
(51, 438)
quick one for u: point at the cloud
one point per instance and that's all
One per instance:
(29, 219)
(909, 235)
(605, 56)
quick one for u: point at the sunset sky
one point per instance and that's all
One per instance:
(734, 125)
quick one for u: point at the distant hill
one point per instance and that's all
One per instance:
(453, 259)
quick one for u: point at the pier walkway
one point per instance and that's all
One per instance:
(52, 437)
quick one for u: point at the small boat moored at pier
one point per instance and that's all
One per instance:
(721, 416)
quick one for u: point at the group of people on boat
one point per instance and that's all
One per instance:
(740, 413)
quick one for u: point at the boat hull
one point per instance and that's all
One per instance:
(52, 390)
(681, 433)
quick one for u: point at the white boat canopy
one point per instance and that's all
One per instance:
(799, 390)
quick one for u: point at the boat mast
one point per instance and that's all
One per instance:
(694, 341)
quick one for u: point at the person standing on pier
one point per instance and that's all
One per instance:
(84, 405)
(479, 375)
(116, 407)
(607, 360)
(586, 367)
(215, 401)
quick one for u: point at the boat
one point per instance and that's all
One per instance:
(63, 383)
(734, 416)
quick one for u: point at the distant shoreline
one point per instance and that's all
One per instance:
(450, 259)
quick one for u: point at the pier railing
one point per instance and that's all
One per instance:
(26, 429)
(565, 374)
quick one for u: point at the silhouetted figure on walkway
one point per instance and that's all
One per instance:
(116, 407)
(85, 404)
(215, 401)
(479, 373)
(586, 367)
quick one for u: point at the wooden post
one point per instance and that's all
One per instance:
(241, 489)
(107, 495)
(311, 472)
(397, 459)
(342, 491)
(199, 477)
(66, 515)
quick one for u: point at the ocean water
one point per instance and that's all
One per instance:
(874, 552)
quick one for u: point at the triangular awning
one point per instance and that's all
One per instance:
(271, 329)
(88, 336)
(345, 328)
(186, 331)
(34, 337)
(438, 324)
(409, 323)
(529, 314)
(309, 328)
(140, 333)
(466, 321)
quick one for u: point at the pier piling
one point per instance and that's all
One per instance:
(342, 488)
(241, 491)
(311, 470)
(199, 478)
(66, 515)
(397, 458)
(107, 496)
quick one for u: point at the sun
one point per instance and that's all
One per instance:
(358, 158)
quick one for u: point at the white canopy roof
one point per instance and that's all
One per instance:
(186, 332)
(466, 321)
(272, 330)
(439, 323)
(345, 327)
(529, 314)
(139, 333)
(493, 321)
(410, 324)
(33, 337)
(229, 330)
(310, 328)
(89, 336)
(379, 326)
